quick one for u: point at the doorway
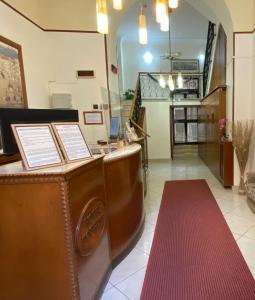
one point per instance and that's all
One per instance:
(184, 128)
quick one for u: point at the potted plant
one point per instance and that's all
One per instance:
(242, 133)
(129, 94)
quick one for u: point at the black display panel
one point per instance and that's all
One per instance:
(10, 116)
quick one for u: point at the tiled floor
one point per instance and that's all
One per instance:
(127, 278)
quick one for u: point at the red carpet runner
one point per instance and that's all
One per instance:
(194, 255)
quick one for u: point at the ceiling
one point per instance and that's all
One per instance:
(186, 22)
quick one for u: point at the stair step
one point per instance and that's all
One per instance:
(185, 150)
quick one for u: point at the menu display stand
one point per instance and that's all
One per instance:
(37, 145)
(71, 141)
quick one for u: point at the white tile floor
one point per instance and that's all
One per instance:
(127, 278)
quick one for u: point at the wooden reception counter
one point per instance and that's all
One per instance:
(54, 233)
(60, 231)
(124, 197)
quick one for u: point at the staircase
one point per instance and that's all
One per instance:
(185, 151)
(208, 56)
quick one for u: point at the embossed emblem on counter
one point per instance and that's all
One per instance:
(90, 227)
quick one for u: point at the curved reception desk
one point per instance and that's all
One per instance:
(54, 232)
(63, 228)
(124, 198)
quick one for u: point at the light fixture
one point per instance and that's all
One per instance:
(164, 25)
(143, 37)
(117, 4)
(102, 17)
(173, 3)
(161, 10)
(171, 82)
(148, 57)
(180, 80)
(201, 57)
(162, 82)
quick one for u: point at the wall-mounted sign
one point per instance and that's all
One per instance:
(72, 141)
(93, 117)
(37, 145)
(85, 74)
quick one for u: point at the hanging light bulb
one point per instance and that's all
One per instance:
(171, 82)
(161, 10)
(180, 80)
(102, 17)
(117, 4)
(162, 82)
(164, 25)
(173, 3)
(143, 36)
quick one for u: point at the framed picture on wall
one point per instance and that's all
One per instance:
(93, 117)
(12, 79)
(185, 65)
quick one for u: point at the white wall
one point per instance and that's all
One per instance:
(252, 161)
(51, 61)
(244, 88)
(35, 50)
(158, 127)
(80, 51)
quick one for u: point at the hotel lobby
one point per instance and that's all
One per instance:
(127, 149)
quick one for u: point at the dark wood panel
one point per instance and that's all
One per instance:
(227, 158)
(84, 187)
(33, 255)
(124, 192)
(5, 159)
(212, 150)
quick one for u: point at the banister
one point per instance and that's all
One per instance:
(218, 87)
(135, 96)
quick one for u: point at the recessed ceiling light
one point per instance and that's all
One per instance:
(148, 57)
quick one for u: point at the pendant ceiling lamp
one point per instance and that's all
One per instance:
(102, 16)
(161, 10)
(173, 3)
(143, 36)
(171, 82)
(117, 4)
(180, 80)
(164, 25)
(162, 82)
(171, 56)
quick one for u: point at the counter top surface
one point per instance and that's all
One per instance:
(17, 168)
(122, 152)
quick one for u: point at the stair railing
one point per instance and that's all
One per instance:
(208, 56)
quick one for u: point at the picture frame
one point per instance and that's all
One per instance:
(71, 141)
(93, 117)
(29, 139)
(185, 65)
(12, 78)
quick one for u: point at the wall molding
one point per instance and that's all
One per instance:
(244, 32)
(107, 74)
(235, 33)
(44, 29)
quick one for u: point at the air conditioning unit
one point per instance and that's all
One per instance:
(61, 101)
